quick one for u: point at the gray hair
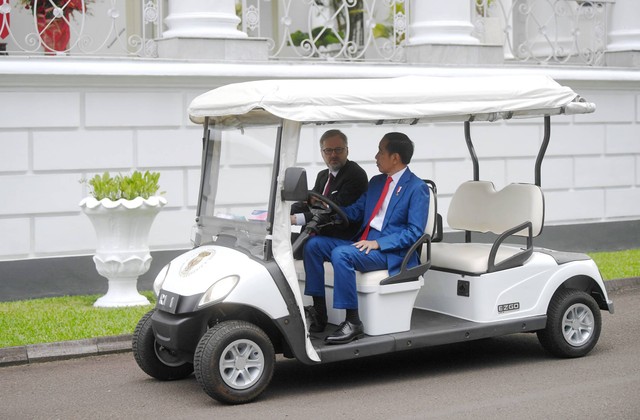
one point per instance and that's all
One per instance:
(334, 133)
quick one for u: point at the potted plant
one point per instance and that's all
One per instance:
(122, 209)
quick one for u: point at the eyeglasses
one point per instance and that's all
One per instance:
(336, 150)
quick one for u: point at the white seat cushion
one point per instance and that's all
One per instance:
(468, 257)
(476, 206)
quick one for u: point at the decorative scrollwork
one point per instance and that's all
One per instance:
(558, 31)
(151, 13)
(70, 18)
(343, 29)
(150, 48)
(252, 16)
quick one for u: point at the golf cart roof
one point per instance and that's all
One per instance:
(410, 99)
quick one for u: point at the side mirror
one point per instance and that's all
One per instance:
(295, 185)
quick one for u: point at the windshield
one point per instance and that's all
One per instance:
(236, 187)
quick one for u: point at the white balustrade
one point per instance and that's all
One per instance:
(546, 31)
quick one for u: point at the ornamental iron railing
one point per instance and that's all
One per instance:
(545, 31)
(541, 31)
(349, 30)
(80, 27)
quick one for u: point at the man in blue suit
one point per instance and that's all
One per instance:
(392, 214)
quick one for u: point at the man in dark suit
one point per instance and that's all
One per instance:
(343, 182)
(391, 216)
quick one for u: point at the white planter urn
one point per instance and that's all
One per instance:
(122, 229)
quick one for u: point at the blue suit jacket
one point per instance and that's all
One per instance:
(404, 221)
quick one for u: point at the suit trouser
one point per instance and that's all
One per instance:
(346, 259)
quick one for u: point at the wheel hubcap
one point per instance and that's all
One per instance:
(577, 324)
(241, 364)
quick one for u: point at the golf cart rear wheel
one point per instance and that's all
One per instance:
(153, 359)
(234, 362)
(573, 324)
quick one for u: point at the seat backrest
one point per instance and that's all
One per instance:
(477, 206)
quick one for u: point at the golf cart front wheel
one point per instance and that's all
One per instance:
(573, 324)
(234, 362)
(153, 359)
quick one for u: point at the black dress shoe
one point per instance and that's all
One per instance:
(317, 322)
(346, 333)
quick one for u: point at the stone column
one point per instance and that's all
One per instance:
(441, 32)
(207, 29)
(623, 47)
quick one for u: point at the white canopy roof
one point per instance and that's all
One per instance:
(409, 99)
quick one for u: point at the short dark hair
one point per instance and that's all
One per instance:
(334, 133)
(401, 144)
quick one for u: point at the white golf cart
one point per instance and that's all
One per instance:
(228, 306)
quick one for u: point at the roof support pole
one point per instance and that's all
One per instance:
(211, 141)
(476, 164)
(543, 150)
(268, 252)
(472, 151)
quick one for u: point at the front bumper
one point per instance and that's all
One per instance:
(180, 332)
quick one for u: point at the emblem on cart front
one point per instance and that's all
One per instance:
(195, 263)
(509, 307)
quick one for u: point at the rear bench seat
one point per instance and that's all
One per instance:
(517, 209)
(385, 303)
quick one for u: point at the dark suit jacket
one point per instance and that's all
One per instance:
(348, 186)
(405, 219)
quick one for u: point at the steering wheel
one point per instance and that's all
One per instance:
(318, 212)
(333, 207)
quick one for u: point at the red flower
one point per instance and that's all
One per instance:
(46, 7)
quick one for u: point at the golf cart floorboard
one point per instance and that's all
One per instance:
(427, 329)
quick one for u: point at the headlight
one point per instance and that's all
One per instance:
(162, 275)
(219, 290)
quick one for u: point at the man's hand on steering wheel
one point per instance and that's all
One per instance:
(325, 212)
(322, 216)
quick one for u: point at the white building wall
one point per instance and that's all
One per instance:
(55, 134)
(52, 138)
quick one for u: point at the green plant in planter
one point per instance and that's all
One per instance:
(124, 186)
(483, 6)
(322, 37)
(385, 30)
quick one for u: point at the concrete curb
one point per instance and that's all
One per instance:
(620, 285)
(36, 353)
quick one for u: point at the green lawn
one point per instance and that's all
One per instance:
(619, 264)
(64, 318)
(73, 318)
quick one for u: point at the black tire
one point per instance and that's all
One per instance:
(153, 359)
(573, 324)
(248, 355)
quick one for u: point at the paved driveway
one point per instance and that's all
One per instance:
(509, 377)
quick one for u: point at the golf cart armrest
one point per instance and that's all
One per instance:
(514, 260)
(412, 274)
(438, 234)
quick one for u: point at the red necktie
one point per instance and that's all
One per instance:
(327, 188)
(376, 209)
